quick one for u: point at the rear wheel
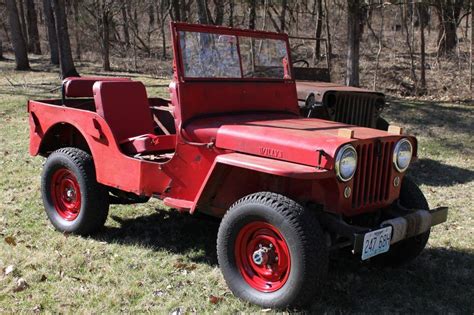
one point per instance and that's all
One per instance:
(403, 252)
(271, 251)
(73, 200)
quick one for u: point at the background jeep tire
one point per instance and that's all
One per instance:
(73, 200)
(405, 251)
(298, 255)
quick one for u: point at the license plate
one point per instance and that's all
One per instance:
(376, 242)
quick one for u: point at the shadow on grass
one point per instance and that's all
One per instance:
(440, 280)
(191, 235)
(433, 173)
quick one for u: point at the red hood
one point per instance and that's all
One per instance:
(294, 140)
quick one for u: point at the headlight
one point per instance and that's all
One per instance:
(402, 155)
(346, 162)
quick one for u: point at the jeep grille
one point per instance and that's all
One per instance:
(358, 109)
(372, 178)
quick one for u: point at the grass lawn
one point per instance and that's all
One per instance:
(150, 259)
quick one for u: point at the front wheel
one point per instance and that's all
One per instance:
(271, 251)
(73, 200)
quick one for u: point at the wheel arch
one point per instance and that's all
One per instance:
(60, 135)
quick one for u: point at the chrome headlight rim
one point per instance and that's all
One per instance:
(339, 156)
(396, 151)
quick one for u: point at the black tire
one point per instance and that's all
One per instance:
(407, 250)
(300, 230)
(382, 124)
(77, 167)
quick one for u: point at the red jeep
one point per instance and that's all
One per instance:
(231, 143)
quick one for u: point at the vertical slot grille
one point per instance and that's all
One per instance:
(355, 109)
(372, 178)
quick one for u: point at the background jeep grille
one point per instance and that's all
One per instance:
(354, 108)
(373, 175)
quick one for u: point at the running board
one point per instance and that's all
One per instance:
(178, 204)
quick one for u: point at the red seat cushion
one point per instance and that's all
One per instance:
(205, 129)
(82, 86)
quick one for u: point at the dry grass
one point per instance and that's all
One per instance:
(150, 259)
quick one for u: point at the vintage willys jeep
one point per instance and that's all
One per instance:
(231, 143)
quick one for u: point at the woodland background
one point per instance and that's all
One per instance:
(401, 47)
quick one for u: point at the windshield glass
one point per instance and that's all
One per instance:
(209, 55)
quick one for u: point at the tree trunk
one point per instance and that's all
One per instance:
(18, 41)
(328, 35)
(252, 14)
(126, 33)
(421, 9)
(65, 56)
(218, 12)
(22, 20)
(353, 40)
(203, 17)
(105, 21)
(77, 30)
(283, 15)
(175, 9)
(472, 48)
(318, 6)
(50, 26)
(231, 12)
(33, 35)
(448, 15)
(1, 50)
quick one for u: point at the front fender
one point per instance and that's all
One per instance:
(224, 162)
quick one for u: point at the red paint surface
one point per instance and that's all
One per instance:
(66, 194)
(260, 143)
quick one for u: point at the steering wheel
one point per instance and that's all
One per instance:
(302, 61)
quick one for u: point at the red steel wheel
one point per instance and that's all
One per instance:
(66, 194)
(262, 256)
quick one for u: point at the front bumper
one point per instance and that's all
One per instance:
(406, 226)
(405, 223)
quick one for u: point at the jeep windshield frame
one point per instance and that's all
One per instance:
(231, 54)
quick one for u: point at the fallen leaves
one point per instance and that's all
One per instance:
(10, 240)
(215, 299)
(20, 285)
(8, 270)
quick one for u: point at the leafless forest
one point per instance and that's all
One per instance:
(401, 47)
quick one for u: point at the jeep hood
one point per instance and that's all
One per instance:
(305, 88)
(298, 140)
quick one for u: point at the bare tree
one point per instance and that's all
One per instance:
(32, 22)
(21, 13)
(18, 41)
(65, 56)
(52, 37)
(1, 50)
(448, 12)
(422, 18)
(77, 30)
(203, 16)
(252, 14)
(353, 41)
(318, 9)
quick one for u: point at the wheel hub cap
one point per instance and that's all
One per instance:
(262, 256)
(66, 194)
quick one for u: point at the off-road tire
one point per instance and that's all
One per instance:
(94, 203)
(303, 235)
(407, 250)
